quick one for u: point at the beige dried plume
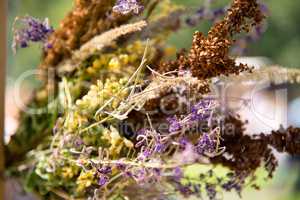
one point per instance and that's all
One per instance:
(97, 43)
(273, 74)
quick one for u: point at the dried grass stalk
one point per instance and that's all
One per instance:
(98, 43)
(106, 39)
(273, 74)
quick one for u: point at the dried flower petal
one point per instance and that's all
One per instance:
(177, 174)
(174, 124)
(105, 170)
(127, 6)
(205, 145)
(103, 180)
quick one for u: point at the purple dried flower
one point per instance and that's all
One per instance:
(147, 153)
(157, 171)
(78, 142)
(104, 170)
(159, 148)
(103, 180)
(49, 45)
(128, 174)
(127, 6)
(205, 145)
(34, 30)
(174, 124)
(200, 111)
(184, 190)
(264, 8)
(211, 191)
(228, 185)
(144, 155)
(177, 174)
(121, 166)
(140, 175)
(183, 142)
(142, 131)
(233, 183)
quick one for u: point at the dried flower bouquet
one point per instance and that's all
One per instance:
(115, 119)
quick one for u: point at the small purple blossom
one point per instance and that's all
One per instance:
(127, 6)
(200, 111)
(144, 155)
(105, 170)
(142, 131)
(147, 153)
(183, 142)
(128, 174)
(177, 174)
(234, 183)
(174, 124)
(185, 190)
(157, 171)
(140, 175)
(159, 148)
(33, 30)
(103, 180)
(264, 8)
(78, 142)
(205, 145)
(211, 191)
(156, 175)
(229, 185)
(121, 166)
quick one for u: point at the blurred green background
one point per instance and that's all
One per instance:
(280, 43)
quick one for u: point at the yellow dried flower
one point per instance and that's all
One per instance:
(124, 59)
(97, 63)
(85, 180)
(91, 70)
(68, 172)
(114, 64)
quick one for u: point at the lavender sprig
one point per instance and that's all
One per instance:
(201, 111)
(174, 124)
(33, 30)
(206, 144)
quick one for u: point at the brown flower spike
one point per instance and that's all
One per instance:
(88, 19)
(209, 55)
